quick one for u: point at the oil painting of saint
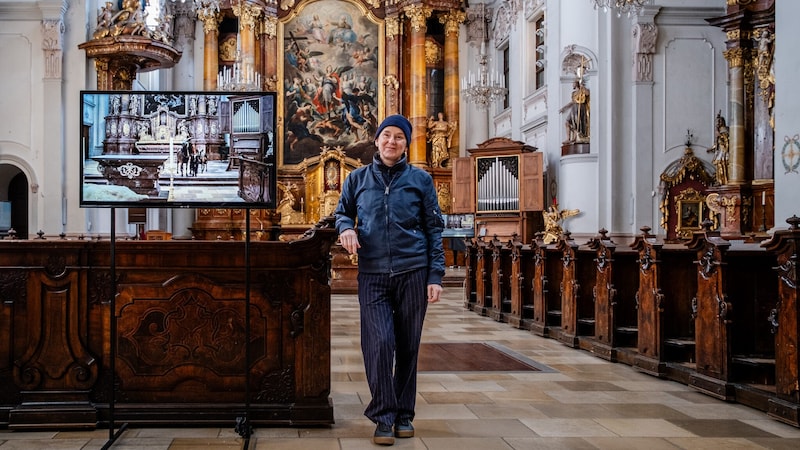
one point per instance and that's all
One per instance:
(330, 81)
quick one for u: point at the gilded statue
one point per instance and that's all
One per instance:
(578, 108)
(130, 20)
(553, 218)
(720, 149)
(440, 134)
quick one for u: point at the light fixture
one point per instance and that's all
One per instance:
(484, 87)
(629, 7)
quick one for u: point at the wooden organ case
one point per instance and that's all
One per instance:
(250, 127)
(502, 183)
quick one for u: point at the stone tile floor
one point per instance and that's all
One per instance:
(584, 402)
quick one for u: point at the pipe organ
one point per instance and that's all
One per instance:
(497, 183)
(502, 183)
(250, 128)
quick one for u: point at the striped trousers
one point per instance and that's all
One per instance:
(392, 313)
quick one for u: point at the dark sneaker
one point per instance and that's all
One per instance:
(403, 428)
(383, 435)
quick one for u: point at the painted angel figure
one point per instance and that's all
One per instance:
(553, 218)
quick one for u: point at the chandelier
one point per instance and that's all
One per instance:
(629, 7)
(484, 87)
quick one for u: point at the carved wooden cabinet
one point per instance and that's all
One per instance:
(502, 183)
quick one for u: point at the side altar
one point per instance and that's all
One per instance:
(180, 332)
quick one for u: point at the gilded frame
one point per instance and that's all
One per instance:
(690, 213)
(312, 49)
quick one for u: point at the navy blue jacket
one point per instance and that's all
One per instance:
(395, 211)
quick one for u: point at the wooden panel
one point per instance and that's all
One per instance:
(180, 332)
(531, 182)
(463, 186)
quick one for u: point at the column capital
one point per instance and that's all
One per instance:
(393, 27)
(451, 21)
(418, 14)
(247, 14)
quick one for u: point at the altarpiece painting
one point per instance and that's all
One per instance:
(332, 66)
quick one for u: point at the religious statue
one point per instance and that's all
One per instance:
(720, 150)
(553, 217)
(578, 108)
(440, 133)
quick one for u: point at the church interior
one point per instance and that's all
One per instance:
(616, 176)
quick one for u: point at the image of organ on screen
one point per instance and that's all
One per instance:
(177, 149)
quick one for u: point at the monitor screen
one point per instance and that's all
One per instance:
(177, 149)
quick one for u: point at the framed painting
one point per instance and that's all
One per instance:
(690, 210)
(332, 66)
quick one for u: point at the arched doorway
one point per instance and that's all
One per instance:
(14, 196)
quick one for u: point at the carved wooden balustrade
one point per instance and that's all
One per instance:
(180, 321)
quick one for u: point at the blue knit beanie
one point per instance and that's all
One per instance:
(396, 120)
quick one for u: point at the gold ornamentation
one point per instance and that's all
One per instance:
(433, 53)
(247, 14)
(734, 56)
(392, 27)
(553, 218)
(443, 193)
(418, 15)
(716, 203)
(269, 26)
(452, 21)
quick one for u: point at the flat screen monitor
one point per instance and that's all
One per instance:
(177, 149)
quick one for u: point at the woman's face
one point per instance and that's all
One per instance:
(391, 145)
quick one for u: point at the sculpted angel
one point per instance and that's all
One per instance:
(553, 218)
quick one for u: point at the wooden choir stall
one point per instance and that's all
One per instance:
(718, 315)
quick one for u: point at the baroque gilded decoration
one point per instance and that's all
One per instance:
(688, 172)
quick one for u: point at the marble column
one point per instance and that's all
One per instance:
(268, 43)
(737, 162)
(211, 20)
(452, 97)
(418, 16)
(184, 36)
(391, 81)
(247, 15)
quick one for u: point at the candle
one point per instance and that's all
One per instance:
(171, 157)
(763, 198)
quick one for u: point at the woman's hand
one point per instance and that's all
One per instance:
(349, 240)
(434, 291)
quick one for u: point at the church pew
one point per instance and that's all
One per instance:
(736, 291)
(545, 288)
(614, 293)
(667, 284)
(500, 276)
(483, 277)
(577, 310)
(470, 261)
(520, 291)
(785, 245)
